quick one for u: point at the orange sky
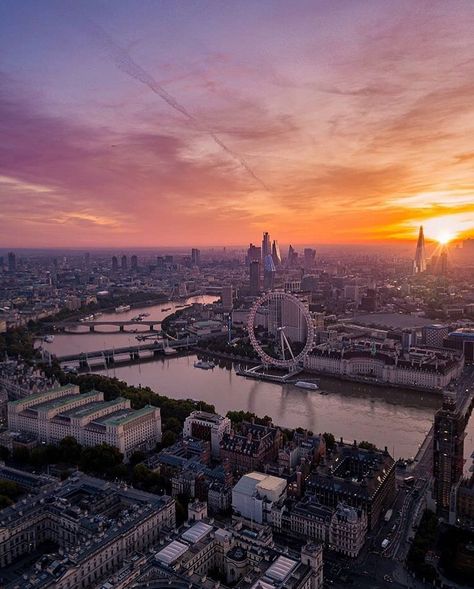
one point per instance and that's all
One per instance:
(320, 122)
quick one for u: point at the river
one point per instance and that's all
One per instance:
(398, 419)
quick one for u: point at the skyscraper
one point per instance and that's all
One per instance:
(442, 268)
(276, 255)
(292, 257)
(309, 258)
(11, 262)
(114, 264)
(269, 272)
(227, 297)
(134, 262)
(448, 451)
(254, 254)
(254, 271)
(124, 262)
(419, 263)
(195, 257)
(266, 246)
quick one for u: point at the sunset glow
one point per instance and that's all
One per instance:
(179, 123)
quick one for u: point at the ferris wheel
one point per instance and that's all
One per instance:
(280, 329)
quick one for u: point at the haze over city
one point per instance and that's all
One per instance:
(205, 123)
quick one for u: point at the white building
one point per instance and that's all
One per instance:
(62, 412)
(255, 494)
(207, 426)
(422, 368)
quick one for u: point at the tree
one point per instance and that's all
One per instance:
(100, 459)
(330, 440)
(70, 450)
(136, 457)
(168, 439)
(4, 453)
(367, 445)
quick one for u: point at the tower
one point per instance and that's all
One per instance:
(254, 270)
(269, 272)
(134, 262)
(419, 263)
(114, 264)
(195, 257)
(11, 262)
(276, 255)
(124, 262)
(448, 451)
(266, 246)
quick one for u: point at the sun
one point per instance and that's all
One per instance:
(444, 237)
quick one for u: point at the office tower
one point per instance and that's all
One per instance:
(419, 264)
(195, 257)
(448, 451)
(1, 263)
(276, 255)
(134, 262)
(227, 297)
(442, 268)
(266, 246)
(254, 254)
(292, 257)
(114, 264)
(309, 258)
(124, 262)
(254, 271)
(87, 259)
(11, 262)
(269, 272)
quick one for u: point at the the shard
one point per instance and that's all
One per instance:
(419, 263)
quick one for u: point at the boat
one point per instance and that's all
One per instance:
(136, 318)
(302, 384)
(98, 314)
(144, 314)
(122, 308)
(324, 393)
(169, 351)
(204, 365)
(49, 339)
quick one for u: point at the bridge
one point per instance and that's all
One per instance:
(108, 357)
(71, 326)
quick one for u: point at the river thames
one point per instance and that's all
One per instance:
(398, 419)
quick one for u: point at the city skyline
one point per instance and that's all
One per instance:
(147, 125)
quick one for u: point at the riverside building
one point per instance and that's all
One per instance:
(63, 412)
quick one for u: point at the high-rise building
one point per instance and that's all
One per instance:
(195, 257)
(11, 262)
(419, 263)
(309, 258)
(254, 254)
(442, 267)
(124, 262)
(266, 246)
(87, 259)
(276, 255)
(254, 271)
(448, 451)
(134, 262)
(114, 264)
(269, 272)
(227, 297)
(292, 257)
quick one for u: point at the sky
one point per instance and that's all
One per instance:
(155, 122)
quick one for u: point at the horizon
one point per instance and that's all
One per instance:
(132, 123)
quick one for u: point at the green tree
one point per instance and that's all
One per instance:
(330, 440)
(100, 459)
(168, 439)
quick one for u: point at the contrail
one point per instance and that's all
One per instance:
(125, 63)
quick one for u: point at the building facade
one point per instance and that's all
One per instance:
(63, 412)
